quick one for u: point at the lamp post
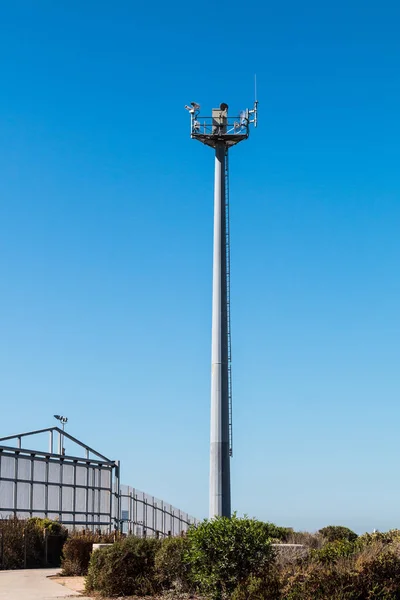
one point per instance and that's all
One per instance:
(63, 421)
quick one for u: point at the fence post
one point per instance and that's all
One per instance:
(46, 551)
(117, 508)
(24, 538)
(145, 511)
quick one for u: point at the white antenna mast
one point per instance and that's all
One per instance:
(254, 111)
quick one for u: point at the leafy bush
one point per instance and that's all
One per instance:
(386, 537)
(332, 533)
(51, 527)
(223, 553)
(23, 544)
(378, 572)
(266, 587)
(172, 570)
(97, 564)
(77, 550)
(333, 551)
(353, 572)
(125, 568)
(314, 581)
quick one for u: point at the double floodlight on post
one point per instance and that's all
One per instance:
(63, 421)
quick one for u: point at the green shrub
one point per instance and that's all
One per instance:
(223, 553)
(333, 551)
(386, 537)
(172, 570)
(266, 587)
(315, 581)
(51, 527)
(22, 542)
(378, 572)
(96, 570)
(353, 571)
(332, 533)
(125, 568)
(77, 550)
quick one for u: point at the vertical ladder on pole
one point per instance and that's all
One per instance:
(228, 298)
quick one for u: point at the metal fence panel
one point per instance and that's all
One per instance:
(76, 491)
(144, 515)
(82, 492)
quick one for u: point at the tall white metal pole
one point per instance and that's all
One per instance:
(220, 485)
(216, 133)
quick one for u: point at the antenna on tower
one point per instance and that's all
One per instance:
(254, 110)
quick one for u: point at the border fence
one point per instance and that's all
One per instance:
(143, 515)
(82, 492)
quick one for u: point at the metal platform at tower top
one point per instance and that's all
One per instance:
(221, 128)
(210, 134)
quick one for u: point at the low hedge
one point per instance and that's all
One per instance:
(78, 548)
(24, 543)
(125, 568)
(171, 568)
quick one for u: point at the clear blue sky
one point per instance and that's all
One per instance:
(106, 245)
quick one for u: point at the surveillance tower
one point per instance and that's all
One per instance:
(221, 133)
